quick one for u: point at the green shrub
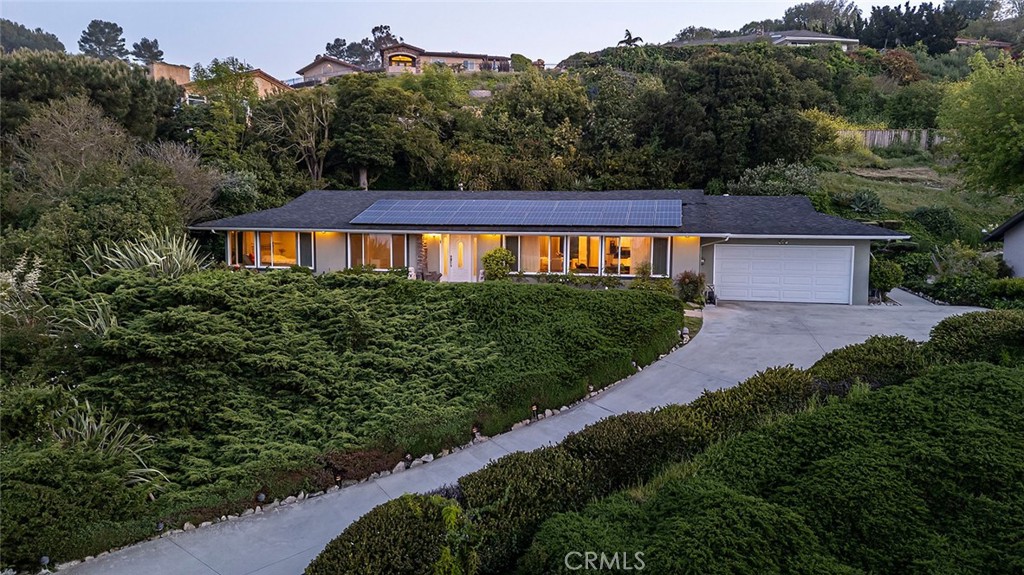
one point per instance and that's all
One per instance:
(993, 336)
(405, 535)
(691, 286)
(642, 280)
(885, 275)
(631, 447)
(508, 499)
(880, 361)
(774, 391)
(866, 202)
(940, 221)
(1006, 293)
(498, 264)
(969, 289)
(723, 531)
(778, 179)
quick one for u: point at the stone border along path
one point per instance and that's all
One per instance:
(737, 339)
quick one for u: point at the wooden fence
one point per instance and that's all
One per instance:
(923, 139)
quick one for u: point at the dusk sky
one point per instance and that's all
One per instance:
(281, 37)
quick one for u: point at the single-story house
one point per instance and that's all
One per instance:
(795, 38)
(749, 248)
(1011, 233)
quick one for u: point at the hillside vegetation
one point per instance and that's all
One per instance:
(230, 384)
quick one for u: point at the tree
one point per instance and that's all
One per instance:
(103, 40)
(121, 90)
(905, 26)
(827, 16)
(984, 116)
(368, 123)
(630, 40)
(697, 33)
(901, 66)
(521, 63)
(975, 9)
(230, 90)
(299, 124)
(147, 51)
(14, 36)
(365, 52)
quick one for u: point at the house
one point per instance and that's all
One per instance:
(1011, 233)
(750, 248)
(406, 58)
(982, 43)
(795, 38)
(180, 74)
(321, 69)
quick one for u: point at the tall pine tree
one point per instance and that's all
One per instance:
(103, 40)
(147, 51)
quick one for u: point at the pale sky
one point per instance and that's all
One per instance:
(282, 37)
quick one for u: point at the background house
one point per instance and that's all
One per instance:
(1011, 233)
(406, 58)
(321, 69)
(784, 38)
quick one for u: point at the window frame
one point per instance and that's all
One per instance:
(391, 249)
(233, 258)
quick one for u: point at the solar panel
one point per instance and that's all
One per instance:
(560, 213)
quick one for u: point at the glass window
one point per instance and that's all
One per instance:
(243, 248)
(285, 249)
(266, 249)
(397, 251)
(306, 250)
(377, 251)
(585, 254)
(659, 261)
(541, 254)
(381, 251)
(623, 254)
(512, 245)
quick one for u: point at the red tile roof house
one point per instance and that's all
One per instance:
(750, 248)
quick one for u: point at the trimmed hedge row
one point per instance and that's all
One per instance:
(508, 500)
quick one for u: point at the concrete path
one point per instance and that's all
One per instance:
(736, 341)
(908, 299)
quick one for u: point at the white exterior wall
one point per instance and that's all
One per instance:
(1013, 249)
(331, 251)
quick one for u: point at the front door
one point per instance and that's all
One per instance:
(460, 258)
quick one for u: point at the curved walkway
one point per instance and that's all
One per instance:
(736, 341)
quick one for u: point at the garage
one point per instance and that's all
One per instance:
(784, 273)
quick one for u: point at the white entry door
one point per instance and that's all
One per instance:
(460, 258)
(807, 274)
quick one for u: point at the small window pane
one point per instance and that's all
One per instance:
(356, 245)
(285, 249)
(512, 245)
(306, 250)
(585, 254)
(266, 243)
(397, 251)
(378, 250)
(611, 255)
(557, 255)
(659, 265)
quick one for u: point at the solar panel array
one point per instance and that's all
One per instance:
(575, 213)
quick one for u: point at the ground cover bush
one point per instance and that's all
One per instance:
(918, 478)
(994, 336)
(880, 361)
(260, 383)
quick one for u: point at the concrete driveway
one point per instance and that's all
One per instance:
(737, 340)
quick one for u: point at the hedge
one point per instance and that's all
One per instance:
(408, 535)
(917, 478)
(993, 336)
(880, 361)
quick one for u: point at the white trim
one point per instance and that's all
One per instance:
(566, 233)
(799, 237)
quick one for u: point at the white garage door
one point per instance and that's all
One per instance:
(810, 274)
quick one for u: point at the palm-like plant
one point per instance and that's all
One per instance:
(630, 40)
(114, 437)
(162, 252)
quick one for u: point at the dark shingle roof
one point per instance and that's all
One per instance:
(997, 234)
(705, 215)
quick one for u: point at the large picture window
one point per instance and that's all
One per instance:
(541, 254)
(270, 249)
(623, 254)
(585, 254)
(380, 251)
